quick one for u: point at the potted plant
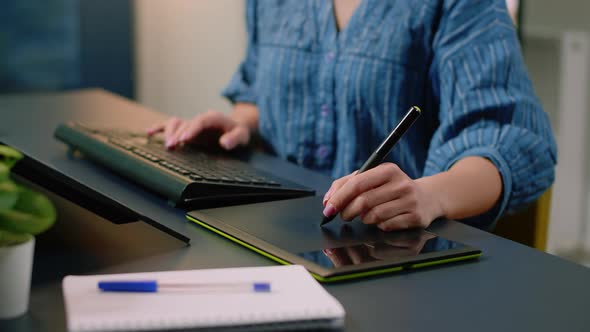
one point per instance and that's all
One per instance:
(23, 214)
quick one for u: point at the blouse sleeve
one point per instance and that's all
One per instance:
(487, 104)
(241, 86)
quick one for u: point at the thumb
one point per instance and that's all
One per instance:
(238, 135)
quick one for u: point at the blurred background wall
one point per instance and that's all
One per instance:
(48, 45)
(556, 46)
(39, 45)
(186, 52)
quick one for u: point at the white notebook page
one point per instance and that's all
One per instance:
(294, 297)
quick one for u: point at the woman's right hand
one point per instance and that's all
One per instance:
(177, 131)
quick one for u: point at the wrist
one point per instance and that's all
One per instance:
(472, 186)
(436, 206)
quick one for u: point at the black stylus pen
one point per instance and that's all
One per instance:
(383, 150)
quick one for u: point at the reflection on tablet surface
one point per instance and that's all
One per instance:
(405, 244)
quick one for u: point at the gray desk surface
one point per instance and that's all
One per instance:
(512, 287)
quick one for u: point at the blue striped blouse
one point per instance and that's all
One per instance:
(327, 98)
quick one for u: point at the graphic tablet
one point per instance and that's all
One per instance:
(288, 232)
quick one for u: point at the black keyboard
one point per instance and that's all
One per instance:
(188, 177)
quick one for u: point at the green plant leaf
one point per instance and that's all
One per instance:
(8, 195)
(9, 156)
(32, 214)
(10, 239)
(4, 172)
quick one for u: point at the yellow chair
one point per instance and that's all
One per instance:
(529, 226)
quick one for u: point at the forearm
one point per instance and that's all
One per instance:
(247, 114)
(470, 187)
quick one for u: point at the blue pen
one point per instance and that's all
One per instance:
(152, 286)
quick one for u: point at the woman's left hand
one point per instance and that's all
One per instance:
(383, 196)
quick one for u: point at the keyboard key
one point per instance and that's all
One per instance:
(240, 180)
(196, 177)
(211, 178)
(262, 181)
(120, 143)
(183, 171)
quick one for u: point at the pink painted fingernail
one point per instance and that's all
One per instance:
(329, 210)
(327, 196)
(183, 137)
(227, 143)
(170, 145)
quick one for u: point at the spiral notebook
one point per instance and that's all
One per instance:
(294, 301)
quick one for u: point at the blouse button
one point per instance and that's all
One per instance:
(322, 152)
(325, 110)
(330, 56)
